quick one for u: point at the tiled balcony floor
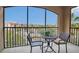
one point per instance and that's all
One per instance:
(26, 49)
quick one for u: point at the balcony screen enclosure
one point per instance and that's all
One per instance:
(74, 29)
(19, 21)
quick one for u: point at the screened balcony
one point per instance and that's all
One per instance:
(14, 38)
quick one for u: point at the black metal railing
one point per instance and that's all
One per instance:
(74, 35)
(14, 36)
(17, 36)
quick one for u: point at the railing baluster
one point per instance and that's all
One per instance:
(7, 37)
(4, 33)
(35, 34)
(15, 36)
(20, 36)
(76, 36)
(23, 29)
(11, 38)
(71, 34)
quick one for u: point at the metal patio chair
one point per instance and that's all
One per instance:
(34, 43)
(63, 39)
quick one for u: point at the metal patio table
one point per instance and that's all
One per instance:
(49, 39)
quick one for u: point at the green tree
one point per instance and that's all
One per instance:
(76, 18)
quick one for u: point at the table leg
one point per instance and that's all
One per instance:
(46, 49)
(52, 49)
(48, 46)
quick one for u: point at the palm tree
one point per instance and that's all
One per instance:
(76, 18)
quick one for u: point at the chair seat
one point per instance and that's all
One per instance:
(59, 41)
(36, 43)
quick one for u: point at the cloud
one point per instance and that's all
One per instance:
(76, 9)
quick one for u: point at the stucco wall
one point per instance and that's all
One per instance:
(67, 18)
(59, 10)
(1, 28)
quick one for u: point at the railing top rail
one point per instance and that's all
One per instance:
(30, 27)
(74, 27)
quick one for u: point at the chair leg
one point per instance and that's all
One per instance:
(52, 44)
(42, 49)
(27, 43)
(66, 48)
(58, 48)
(46, 49)
(31, 50)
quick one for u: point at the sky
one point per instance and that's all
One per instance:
(36, 15)
(75, 11)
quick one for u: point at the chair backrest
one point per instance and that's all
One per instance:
(64, 36)
(29, 38)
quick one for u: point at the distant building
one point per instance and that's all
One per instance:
(10, 24)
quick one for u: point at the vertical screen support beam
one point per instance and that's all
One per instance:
(4, 27)
(45, 19)
(27, 20)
